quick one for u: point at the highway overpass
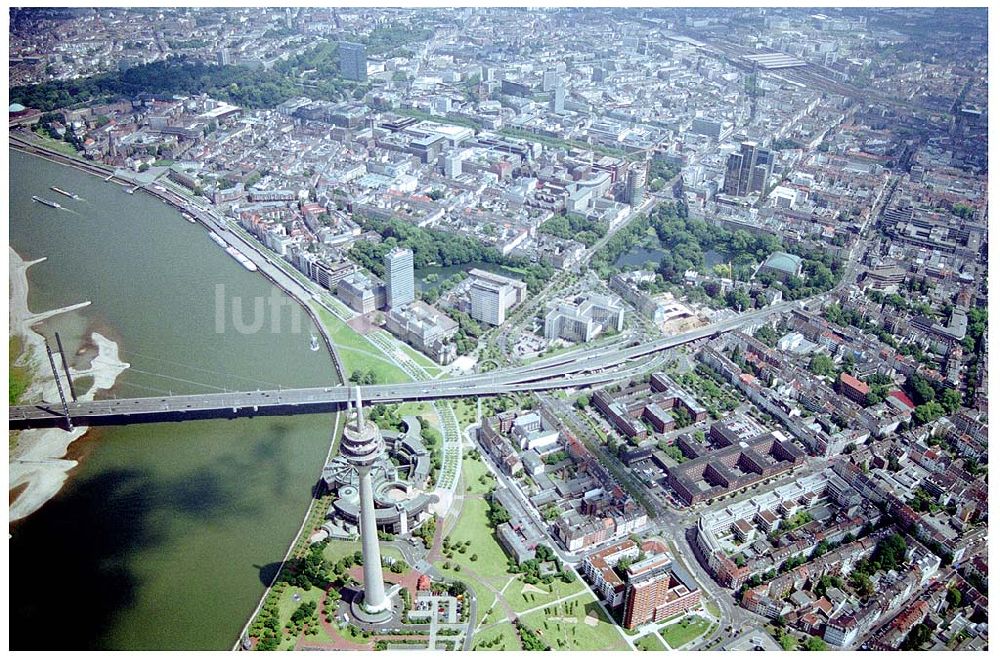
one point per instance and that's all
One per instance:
(585, 367)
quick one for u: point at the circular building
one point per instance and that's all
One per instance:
(400, 477)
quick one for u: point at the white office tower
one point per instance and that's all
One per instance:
(453, 164)
(398, 277)
(361, 444)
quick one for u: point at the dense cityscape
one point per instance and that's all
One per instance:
(651, 329)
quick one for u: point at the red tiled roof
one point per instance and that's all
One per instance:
(854, 383)
(903, 398)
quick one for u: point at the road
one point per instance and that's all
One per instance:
(588, 367)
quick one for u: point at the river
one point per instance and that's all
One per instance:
(164, 535)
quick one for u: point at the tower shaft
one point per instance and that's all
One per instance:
(375, 599)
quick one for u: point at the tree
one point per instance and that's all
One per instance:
(927, 412)
(816, 644)
(951, 400)
(862, 584)
(788, 642)
(920, 388)
(915, 640)
(954, 597)
(738, 299)
(821, 364)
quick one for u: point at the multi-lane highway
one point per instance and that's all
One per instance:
(575, 369)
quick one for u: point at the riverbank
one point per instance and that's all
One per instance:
(272, 271)
(38, 468)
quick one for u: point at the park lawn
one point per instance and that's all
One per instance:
(287, 606)
(56, 145)
(685, 631)
(356, 353)
(491, 562)
(484, 595)
(472, 471)
(337, 549)
(425, 409)
(473, 526)
(430, 366)
(711, 607)
(650, 643)
(522, 601)
(504, 635)
(465, 413)
(388, 550)
(565, 626)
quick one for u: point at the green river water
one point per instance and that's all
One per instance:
(164, 534)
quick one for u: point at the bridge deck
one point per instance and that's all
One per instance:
(575, 369)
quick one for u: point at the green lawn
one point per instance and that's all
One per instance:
(521, 600)
(498, 637)
(421, 360)
(336, 549)
(577, 624)
(484, 595)
(685, 631)
(472, 472)
(650, 643)
(356, 353)
(466, 414)
(473, 526)
(491, 561)
(53, 144)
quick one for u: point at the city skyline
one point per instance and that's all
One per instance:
(614, 328)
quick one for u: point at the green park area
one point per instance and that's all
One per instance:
(54, 144)
(356, 353)
(476, 477)
(290, 600)
(501, 636)
(574, 624)
(471, 554)
(524, 596)
(685, 631)
(430, 366)
(650, 643)
(465, 412)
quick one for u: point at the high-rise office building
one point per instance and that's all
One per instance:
(559, 99)
(487, 300)
(657, 589)
(353, 61)
(453, 164)
(398, 277)
(707, 127)
(748, 171)
(635, 185)
(491, 295)
(550, 79)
